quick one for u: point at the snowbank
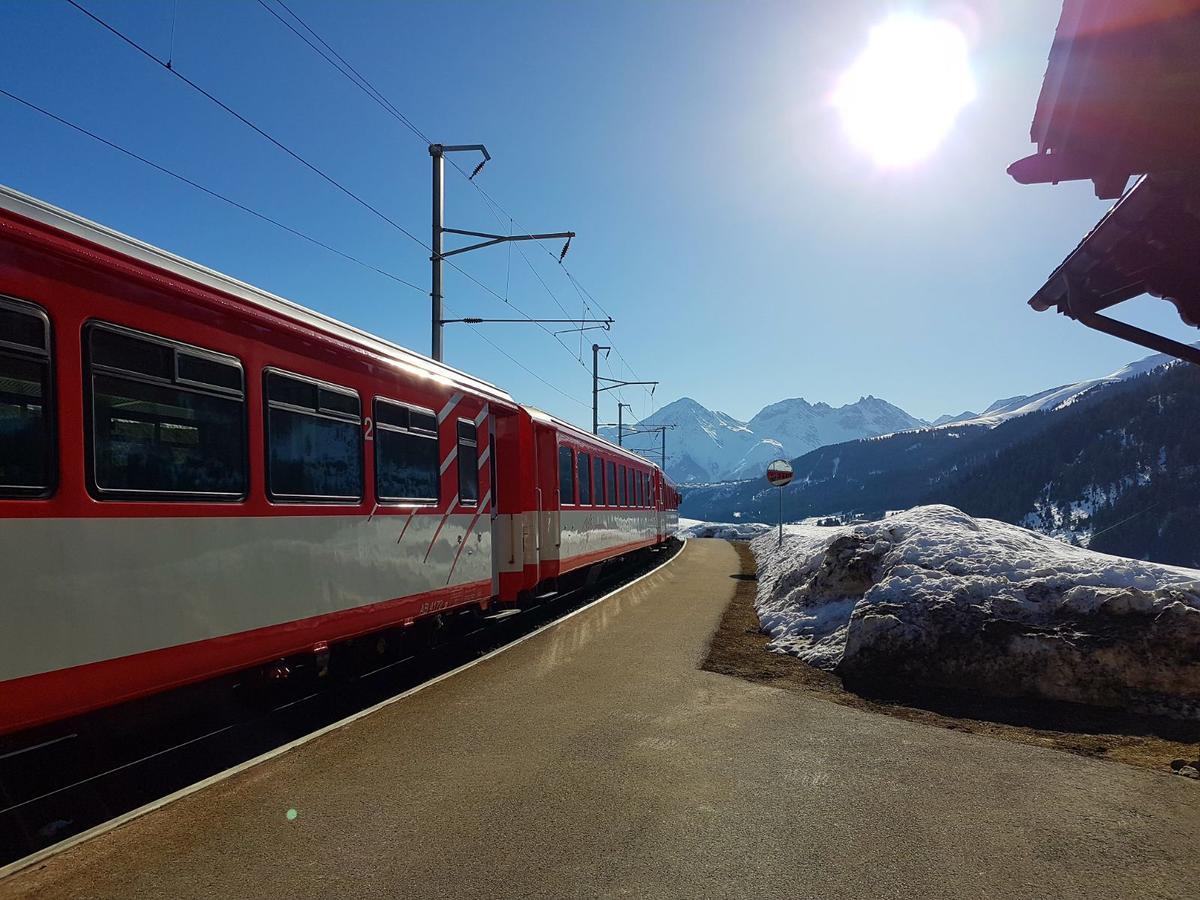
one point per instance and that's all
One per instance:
(932, 596)
(730, 531)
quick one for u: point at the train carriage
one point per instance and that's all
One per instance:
(198, 477)
(598, 499)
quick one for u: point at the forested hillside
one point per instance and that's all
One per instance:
(1119, 473)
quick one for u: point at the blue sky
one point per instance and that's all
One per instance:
(747, 252)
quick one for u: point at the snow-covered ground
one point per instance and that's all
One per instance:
(730, 531)
(933, 596)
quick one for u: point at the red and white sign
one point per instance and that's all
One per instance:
(779, 472)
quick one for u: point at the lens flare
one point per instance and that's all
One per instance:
(900, 98)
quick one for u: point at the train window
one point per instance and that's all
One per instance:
(637, 484)
(584, 477)
(191, 368)
(161, 428)
(622, 483)
(406, 454)
(612, 484)
(26, 423)
(566, 477)
(468, 462)
(314, 440)
(124, 352)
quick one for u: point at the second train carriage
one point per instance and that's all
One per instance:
(197, 477)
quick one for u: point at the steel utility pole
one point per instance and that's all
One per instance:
(612, 383)
(621, 422)
(437, 154)
(596, 348)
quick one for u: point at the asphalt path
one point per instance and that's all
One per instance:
(598, 760)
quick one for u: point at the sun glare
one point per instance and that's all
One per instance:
(901, 96)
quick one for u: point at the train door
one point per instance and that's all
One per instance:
(499, 547)
(513, 501)
(545, 442)
(658, 512)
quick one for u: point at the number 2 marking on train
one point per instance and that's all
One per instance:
(370, 429)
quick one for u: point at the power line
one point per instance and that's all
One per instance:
(343, 66)
(340, 63)
(306, 163)
(348, 71)
(262, 216)
(286, 149)
(521, 365)
(296, 156)
(209, 191)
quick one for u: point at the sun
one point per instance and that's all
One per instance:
(900, 98)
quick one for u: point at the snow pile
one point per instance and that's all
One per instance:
(729, 531)
(933, 597)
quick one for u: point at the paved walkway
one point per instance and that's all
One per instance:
(597, 760)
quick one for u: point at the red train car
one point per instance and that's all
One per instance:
(197, 477)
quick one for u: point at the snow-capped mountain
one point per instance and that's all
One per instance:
(706, 445)
(948, 419)
(1053, 398)
(799, 426)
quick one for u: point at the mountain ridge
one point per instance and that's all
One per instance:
(707, 445)
(1112, 467)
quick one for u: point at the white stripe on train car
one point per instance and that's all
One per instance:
(205, 577)
(449, 407)
(446, 515)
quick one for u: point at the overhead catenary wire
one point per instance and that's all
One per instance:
(339, 62)
(333, 182)
(347, 70)
(275, 222)
(249, 124)
(521, 365)
(209, 191)
(359, 80)
(312, 167)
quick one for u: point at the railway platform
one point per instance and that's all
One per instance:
(597, 759)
